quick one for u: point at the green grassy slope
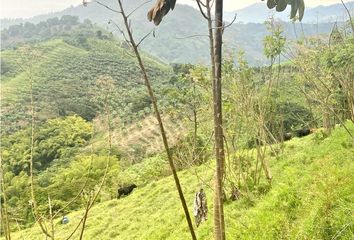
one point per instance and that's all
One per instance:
(64, 76)
(311, 198)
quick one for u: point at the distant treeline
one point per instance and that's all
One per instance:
(51, 28)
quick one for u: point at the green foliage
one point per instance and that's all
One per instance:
(310, 198)
(342, 56)
(293, 115)
(55, 143)
(67, 27)
(152, 168)
(84, 173)
(84, 74)
(327, 80)
(274, 44)
(64, 79)
(56, 139)
(191, 151)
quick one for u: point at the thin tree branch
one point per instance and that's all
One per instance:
(104, 5)
(232, 22)
(201, 10)
(192, 36)
(85, 217)
(349, 15)
(51, 216)
(158, 116)
(145, 37)
(138, 8)
(120, 30)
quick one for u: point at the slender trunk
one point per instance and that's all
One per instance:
(349, 15)
(87, 209)
(350, 95)
(294, 27)
(51, 216)
(4, 212)
(195, 119)
(219, 225)
(211, 40)
(158, 116)
(326, 121)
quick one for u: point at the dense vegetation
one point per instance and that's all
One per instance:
(310, 198)
(76, 125)
(67, 27)
(173, 42)
(65, 72)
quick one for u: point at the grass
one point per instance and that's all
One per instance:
(311, 198)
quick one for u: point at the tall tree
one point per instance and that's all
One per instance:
(160, 9)
(219, 224)
(130, 39)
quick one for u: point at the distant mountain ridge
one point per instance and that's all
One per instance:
(258, 12)
(181, 37)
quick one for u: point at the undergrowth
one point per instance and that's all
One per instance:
(311, 197)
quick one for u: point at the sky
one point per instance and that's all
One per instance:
(30, 8)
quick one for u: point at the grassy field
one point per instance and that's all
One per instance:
(311, 198)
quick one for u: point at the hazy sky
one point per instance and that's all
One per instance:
(29, 8)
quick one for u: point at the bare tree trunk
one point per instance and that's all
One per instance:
(326, 121)
(87, 209)
(51, 216)
(4, 219)
(158, 116)
(4, 213)
(195, 121)
(219, 224)
(349, 15)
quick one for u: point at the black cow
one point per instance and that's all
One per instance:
(125, 190)
(302, 132)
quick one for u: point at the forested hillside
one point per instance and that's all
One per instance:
(310, 198)
(65, 69)
(181, 37)
(97, 134)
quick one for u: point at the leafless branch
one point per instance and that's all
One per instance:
(146, 35)
(127, 53)
(349, 15)
(51, 216)
(232, 22)
(138, 7)
(192, 36)
(85, 217)
(104, 5)
(120, 30)
(201, 9)
(77, 226)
